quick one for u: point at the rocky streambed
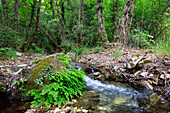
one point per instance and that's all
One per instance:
(136, 81)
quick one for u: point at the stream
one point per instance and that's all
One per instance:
(115, 97)
(103, 97)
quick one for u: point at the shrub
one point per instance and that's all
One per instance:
(7, 53)
(141, 39)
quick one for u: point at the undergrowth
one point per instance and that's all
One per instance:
(162, 47)
(64, 85)
(7, 53)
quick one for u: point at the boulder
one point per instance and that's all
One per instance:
(55, 64)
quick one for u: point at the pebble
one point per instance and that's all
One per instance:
(84, 111)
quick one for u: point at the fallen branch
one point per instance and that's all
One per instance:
(22, 65)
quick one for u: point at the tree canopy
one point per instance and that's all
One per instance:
(54, 25)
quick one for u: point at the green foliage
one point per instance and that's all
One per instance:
(10, 38)
(7, 53)
(149, 15)
(64, 86)
(162, 46)
(67, 46)
(141, 39)
(64, 59)
(97, 49)
(20, 82)
(78, 52)
(35, 49)
(117, 52)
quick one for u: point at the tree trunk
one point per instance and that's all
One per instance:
(115, 9)
(61, 23)
(101, 28)
(62, 11)
(16, 14)
(125, 22)
(53, 13)
(24, 48)
(80, 21)
(5, 12)
(36, 27)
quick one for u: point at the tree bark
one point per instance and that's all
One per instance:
(61, 23)
(102, 35)
(125, 22)
(5, 12)
(16, 14)
(80, 21)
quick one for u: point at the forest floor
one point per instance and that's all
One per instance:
(141, 68)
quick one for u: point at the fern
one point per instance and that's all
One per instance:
(65, 85)
(64, 59)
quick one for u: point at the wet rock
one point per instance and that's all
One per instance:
(74, 100)
(57, 110)
(133, 61)
(72, 111)
(118, 101)
(100, 77)
(84, 111)
(52, 60)
(153, 98)
(145, 84)
(66, 110)
(96, 73)
(137, 61)
(70, 104)
(143, 74)
(143, 101)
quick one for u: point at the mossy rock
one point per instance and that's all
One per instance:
(35, 73)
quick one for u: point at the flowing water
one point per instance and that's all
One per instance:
(115, 98)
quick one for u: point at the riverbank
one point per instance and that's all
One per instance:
(140, 68)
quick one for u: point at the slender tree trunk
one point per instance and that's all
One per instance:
(80, 21)
(51, 4)
(5, 12)
(53, 13)
(115, 9)
(126, 21)
(62, 11)
(61, 23)
(16, 14)
(102, 35)
(36, 27)
(24, 48)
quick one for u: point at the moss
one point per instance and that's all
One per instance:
(35, 74)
